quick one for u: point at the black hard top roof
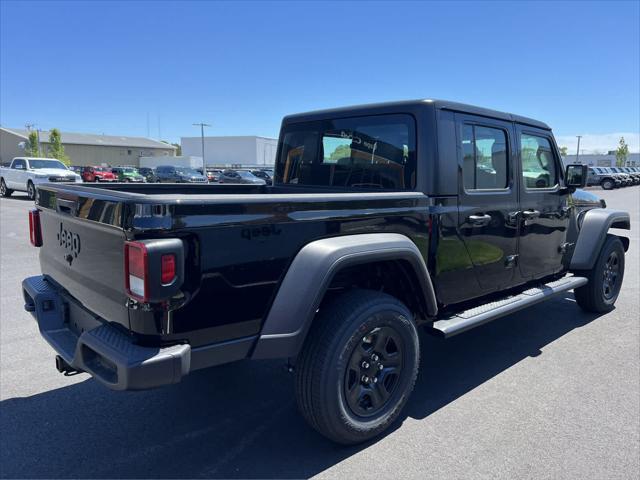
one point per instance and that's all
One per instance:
(387, 107)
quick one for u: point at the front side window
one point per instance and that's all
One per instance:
(538, 162)
(485, 163)
(374, 152)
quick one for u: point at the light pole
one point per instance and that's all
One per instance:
(578, 149)
(202, 125)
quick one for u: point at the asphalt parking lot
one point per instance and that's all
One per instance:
(550, 392)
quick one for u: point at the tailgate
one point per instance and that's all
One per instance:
(83, 251)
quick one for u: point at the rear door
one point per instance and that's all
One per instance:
(544, 204)
(487, 217)
(18, 175)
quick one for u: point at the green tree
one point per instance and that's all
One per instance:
(56, 149)
(622, 152)
(32, 148)
(341, 151)
(563, 151)
(177, 145)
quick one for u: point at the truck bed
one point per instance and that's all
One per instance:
(239, 241)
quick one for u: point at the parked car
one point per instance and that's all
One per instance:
(26, 173)
(149, 174)
(263, 175)
(213, 175)
(633, 173)
(97, 174)
(600, 176)
(127, 174)
(239, 176)
(172, 174)
(334, 270)
(627, 180)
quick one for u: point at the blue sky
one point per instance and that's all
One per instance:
(107, 67)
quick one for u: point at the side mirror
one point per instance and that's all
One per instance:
(576, 176)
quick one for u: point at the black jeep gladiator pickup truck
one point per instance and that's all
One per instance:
(381, 219)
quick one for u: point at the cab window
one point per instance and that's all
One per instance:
(539, 168)
(369, 152)
(485, 159)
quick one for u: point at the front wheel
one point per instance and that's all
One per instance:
(607, 184)
(31, 190)
(358, 366)
(605, 278)
(4, 191)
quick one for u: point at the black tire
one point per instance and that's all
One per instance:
(608, 184)
(4, 191)
(330, 377)
(31, 190)
(605, 278)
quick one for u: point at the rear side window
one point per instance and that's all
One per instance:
(485, 163)
(20, 164)
(538, 164)
(374, 152)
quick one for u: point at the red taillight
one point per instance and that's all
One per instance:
(136, 269)
(35, 232)
(168, 268)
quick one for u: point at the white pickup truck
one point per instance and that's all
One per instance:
(25, 173)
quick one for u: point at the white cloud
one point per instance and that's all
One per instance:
(599, 142)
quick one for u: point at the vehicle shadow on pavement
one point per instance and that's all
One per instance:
(240, 420)
(17, 196)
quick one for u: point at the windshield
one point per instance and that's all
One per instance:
(47, 164)
(187, 171)
(374, 152)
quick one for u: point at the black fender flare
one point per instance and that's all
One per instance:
(593, 232)
(311, 272)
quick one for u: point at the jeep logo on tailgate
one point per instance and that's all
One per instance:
(70, 242)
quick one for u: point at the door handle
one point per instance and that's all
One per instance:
(483, 219)
(531, 214)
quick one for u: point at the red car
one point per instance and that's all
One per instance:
(98, 174)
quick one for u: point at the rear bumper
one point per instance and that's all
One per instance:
(89, 343)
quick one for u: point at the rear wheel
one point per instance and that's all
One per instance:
(358, 366)
(605, 278)
(607, 184)
(4, 191)
(31, 190)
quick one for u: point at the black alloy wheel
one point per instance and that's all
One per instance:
(373, 371)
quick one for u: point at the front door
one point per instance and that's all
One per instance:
(487, 214)
(544, 204)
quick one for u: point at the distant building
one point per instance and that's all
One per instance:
(603, 160)
(242, 150)
(87, 148)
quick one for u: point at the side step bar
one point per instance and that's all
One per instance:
(476, 316)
